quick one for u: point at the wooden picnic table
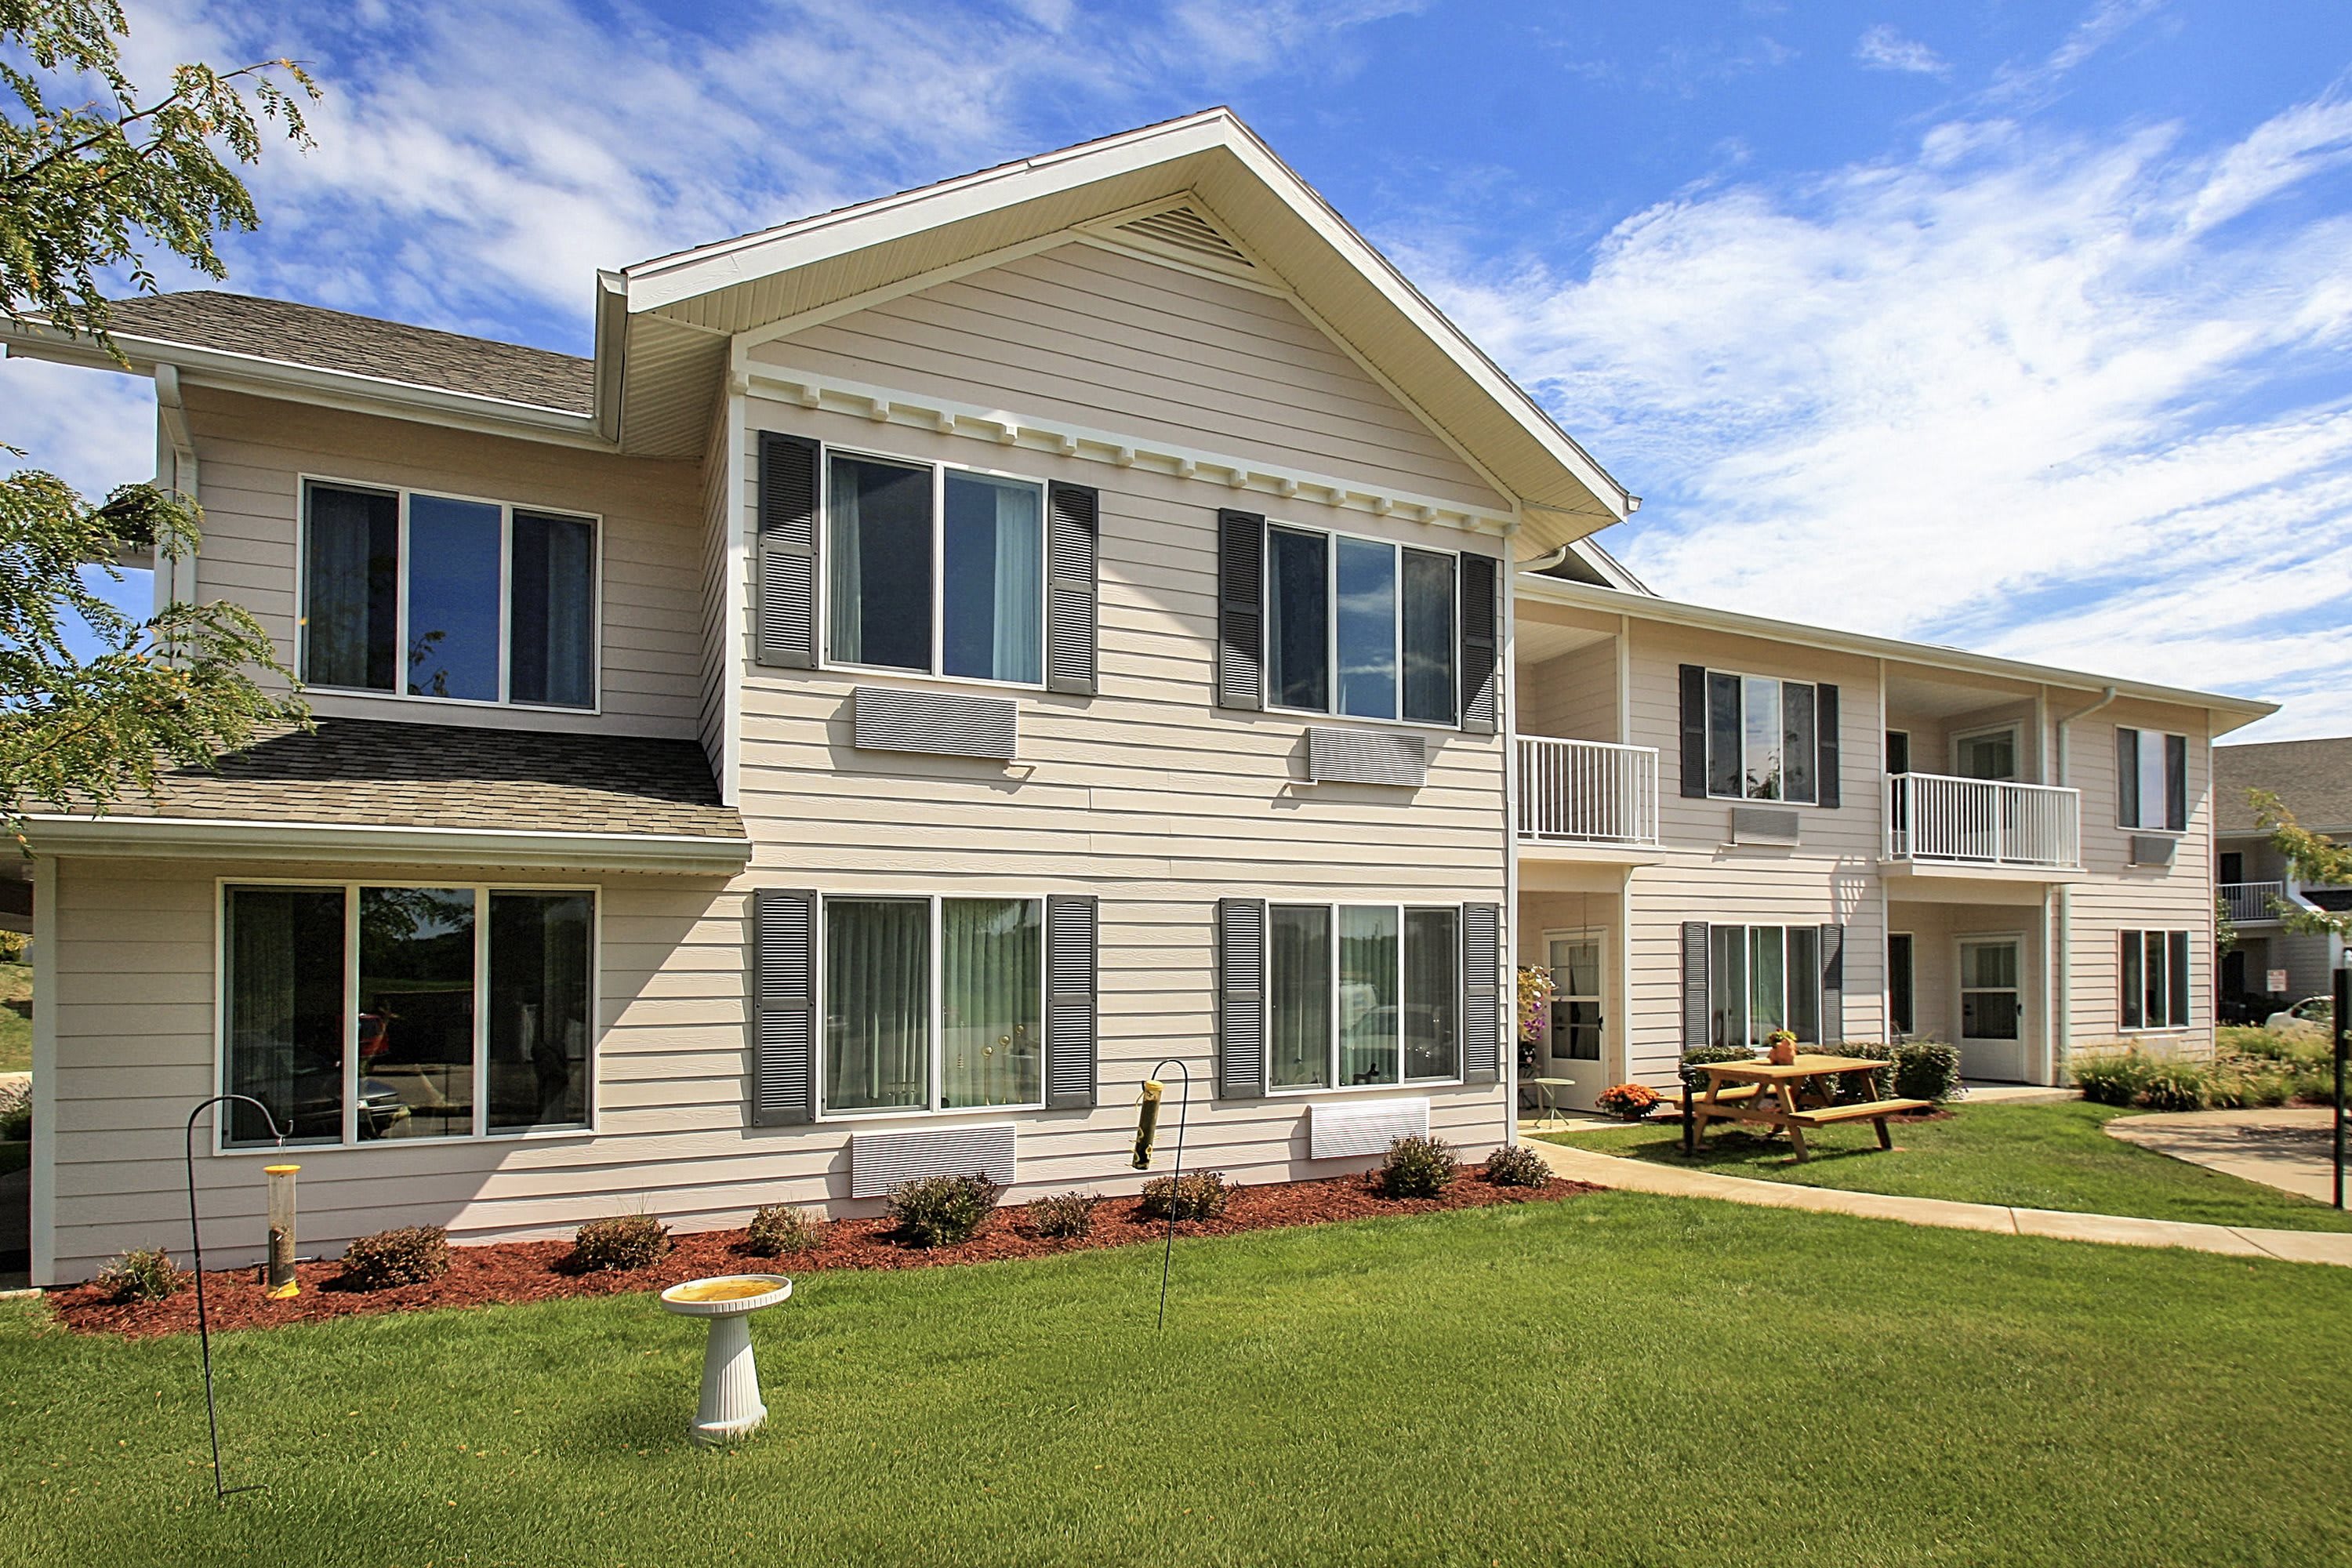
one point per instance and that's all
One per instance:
(1790, 1099)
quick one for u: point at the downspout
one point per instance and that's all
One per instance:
(2062, 1043)
(175, 576)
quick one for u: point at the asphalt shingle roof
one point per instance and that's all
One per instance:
(373, 773)
(2312, 778)
(360, 345)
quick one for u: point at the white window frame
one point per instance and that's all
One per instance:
(2163, 806)
(2016, 733)
(1961, 941)
(1331, 1058)
(399, 692)
(1743, 676)
(938, 1042)
(482, 1132)
(1331, 538)
(1747, 931)
(2171, 1025)
(938, 469)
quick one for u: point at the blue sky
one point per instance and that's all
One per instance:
(2027, 328)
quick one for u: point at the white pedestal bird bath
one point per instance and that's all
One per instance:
(730, 1405)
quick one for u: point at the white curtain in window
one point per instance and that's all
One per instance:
(1019, 565)
(877, 1003)
(846, 574)
(992, 976)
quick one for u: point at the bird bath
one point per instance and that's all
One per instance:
(731, 1379)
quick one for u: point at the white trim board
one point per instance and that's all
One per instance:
(182, 837)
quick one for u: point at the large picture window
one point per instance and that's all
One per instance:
(936, 570)
(1763, 978)
(2155, 980)
(428, 595)
(933, 1004)
(1761, 738)
(2151, 779)
(361, 1012)
(1360, 627)
(1363, 995)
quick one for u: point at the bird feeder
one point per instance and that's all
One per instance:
(279, 1277)
(730, 1406)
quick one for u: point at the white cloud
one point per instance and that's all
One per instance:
(2005, 392)
(1884, 48)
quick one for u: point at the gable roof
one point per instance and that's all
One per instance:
(2312, 778)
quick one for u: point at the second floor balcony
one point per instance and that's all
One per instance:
(1587, 792)
(2250, 903)
(1935, 819)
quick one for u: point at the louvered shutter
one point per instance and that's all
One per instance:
(1482, 992)
(783, 1007)
(785, 614)
(1480, 582)
(2175, 782)
(1073, 537)
(1071, 1030)
(1241, 998)
(1825, 728)
(1694, 703)
(1694, 1000)
(1832, 985)
(1240, 610)
(2127, 803)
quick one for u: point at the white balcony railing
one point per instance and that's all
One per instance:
(1982, 822)
(1588, 792)
(2252, 900)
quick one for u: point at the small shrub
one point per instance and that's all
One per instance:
(2248, 1040)
(1064, 1214)
(1627, 1102)
(1516, 1165)
(2318, 1084)
(942, 1211)
(1927, 1069)
(1418, 1168)
(1693, 1080)
(2112, 1079)
(2173, 1085)
(2237, 1082)
(624, 1241)
(15, 1113)
(1201, 1195)
(411, 1255)
(778, 1230)
(143, 1274)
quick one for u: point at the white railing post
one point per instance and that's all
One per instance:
(1993, 822)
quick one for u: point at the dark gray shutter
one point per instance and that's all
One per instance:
(1693, 766)
(2175, 782)
(1825, 728)
(2127, 778)
(1241, 998)
(783, 1007)
(1482, 992)
(1240, 610)
(785, 611)
(1694, 999)
(1832, 985)
(1073, 533)
(1071, 946)
(1480, 582)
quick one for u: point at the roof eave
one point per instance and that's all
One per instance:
(183, 837)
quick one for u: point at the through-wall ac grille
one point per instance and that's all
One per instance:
(1185, 230)
(1366, 756)
(1346, 1131)
(880, 1161)
(940, 722)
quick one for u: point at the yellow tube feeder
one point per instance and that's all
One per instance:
(1146, 1122)
(281, 1279)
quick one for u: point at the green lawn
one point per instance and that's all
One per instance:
(1615, 1380)
(15, 1033)
(2025, 1156)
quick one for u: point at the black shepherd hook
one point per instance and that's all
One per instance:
(1176, 1181)
(196, 1246)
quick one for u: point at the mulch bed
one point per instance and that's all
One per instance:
(515, 1271)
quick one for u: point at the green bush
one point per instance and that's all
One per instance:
(2112, 1079)
(1199, 1196)
(2246, 1041)
(1063, 1216)
(1516, 1165)
(2237, 1082)
(1418, 1168)
(778, 1230)
(143, 1274)
(15, 1112)
(2173, 1084)
(1927, 1069)
(942, 1211)
(1695, 1082)
(624, 1241)
(411, 1255)
(2318, 1084)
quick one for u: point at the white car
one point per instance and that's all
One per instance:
(2311, 1015)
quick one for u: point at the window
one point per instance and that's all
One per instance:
(1902, 1008)
(894, 531)
(2152, 780)
(437, 597)
(1898, 750)
(1761, 738)
(933, 1004)
(1989, 1007)
(364, 1013)
(1362, 995)
(1986, 753)
(2155, 980)
(1358, 628)
(1763, 978)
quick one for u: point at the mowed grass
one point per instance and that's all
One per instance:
(2054, 1156)
(15, 1031)
(1613, 1380)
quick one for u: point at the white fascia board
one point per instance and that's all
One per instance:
(182, 837)
(1642, 607)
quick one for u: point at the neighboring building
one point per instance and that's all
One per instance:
(2271, 967)
(941, 658)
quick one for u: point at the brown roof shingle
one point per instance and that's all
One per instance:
(2312, 778)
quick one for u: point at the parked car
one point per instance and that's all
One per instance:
(2311, 1015)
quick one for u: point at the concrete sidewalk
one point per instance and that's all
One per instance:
(1641, 1176)
(2287, 1147)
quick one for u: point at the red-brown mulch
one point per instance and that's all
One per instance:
(514, 1271)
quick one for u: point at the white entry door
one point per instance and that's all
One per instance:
(1992, 1009)
(1576, 1043)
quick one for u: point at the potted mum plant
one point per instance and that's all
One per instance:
(1627, 1102)
(1782, 1046)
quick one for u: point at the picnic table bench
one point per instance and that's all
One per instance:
(1788, 1098)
